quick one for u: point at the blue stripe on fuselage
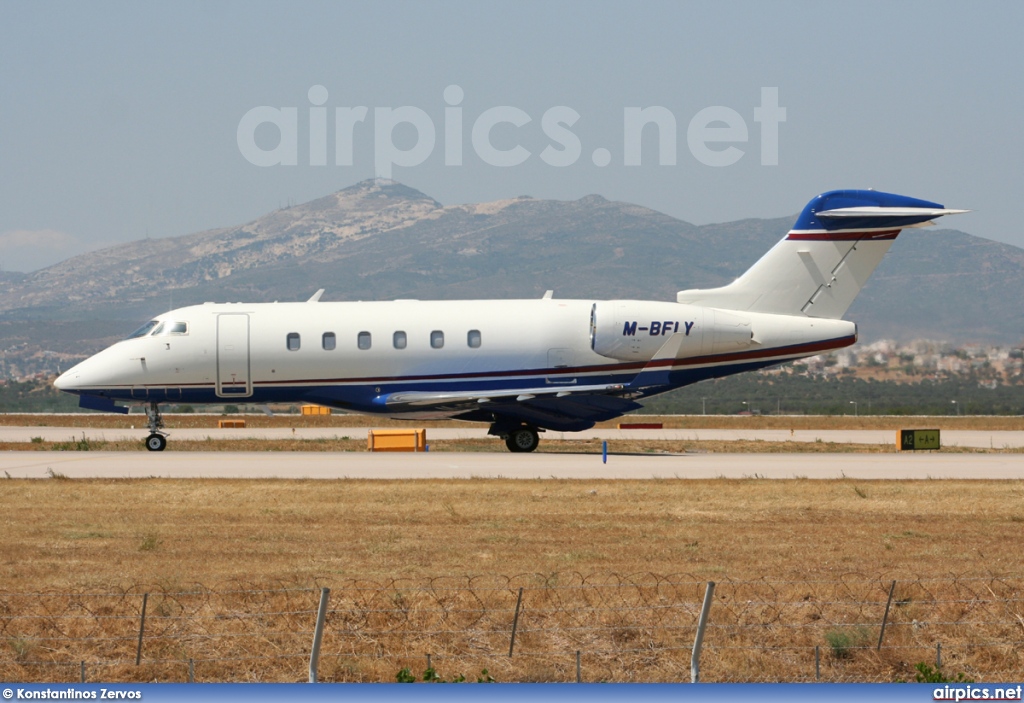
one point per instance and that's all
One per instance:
(359, 397)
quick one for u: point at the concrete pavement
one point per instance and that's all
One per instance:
(361, 465)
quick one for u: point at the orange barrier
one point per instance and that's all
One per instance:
(231, 424)
(315, 410)
(641, 426)
(396, 440)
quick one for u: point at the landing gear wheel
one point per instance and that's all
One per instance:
(524, 439)
(156, 442)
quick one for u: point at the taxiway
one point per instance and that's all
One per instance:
(466, 465)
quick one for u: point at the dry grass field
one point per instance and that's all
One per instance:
(96, 534)
(794, 560)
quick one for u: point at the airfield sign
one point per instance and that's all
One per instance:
(912, 440)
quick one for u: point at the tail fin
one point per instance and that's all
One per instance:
(823, 262)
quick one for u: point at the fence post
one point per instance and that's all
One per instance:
(579, 678)
(938, 655)
(83, 672)
(191, 671)
(885, 617)
(428, 662)
(515, 622)
(142, 628)
(318, 634)
(699, 639)
(817, 662)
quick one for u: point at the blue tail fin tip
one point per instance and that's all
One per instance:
(840, 199)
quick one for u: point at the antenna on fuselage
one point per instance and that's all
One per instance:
(316, 296)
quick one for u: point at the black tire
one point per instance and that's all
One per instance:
(525, 439)
(156, 443)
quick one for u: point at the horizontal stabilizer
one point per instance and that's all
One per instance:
(889, 212)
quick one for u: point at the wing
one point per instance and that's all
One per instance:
(560, 408)
(466, 399)
(554, 407)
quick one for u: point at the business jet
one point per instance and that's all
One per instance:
(523, 366)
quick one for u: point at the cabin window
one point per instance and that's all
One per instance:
(144, 330)
(437, 339)
(176, 328)
(294, 342)
(363, 341)
(473, 339)
(329, 341)
(400, 340)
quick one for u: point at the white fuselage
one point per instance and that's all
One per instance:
(359, 356)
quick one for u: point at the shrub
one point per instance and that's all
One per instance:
(430, 675)
(843, 642)
(927, 674)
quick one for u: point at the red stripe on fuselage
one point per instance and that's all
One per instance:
(799, 236)
(749, 355)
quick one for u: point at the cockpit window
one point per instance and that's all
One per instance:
(144, 330)
(174, 328)
(157, 328)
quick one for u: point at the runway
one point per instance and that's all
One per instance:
(994, 439)
(469, 465)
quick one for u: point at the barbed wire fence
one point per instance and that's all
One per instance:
(557, 627)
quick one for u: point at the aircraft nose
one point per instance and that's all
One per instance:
(78, 376)
(96, 373)
(67, 381)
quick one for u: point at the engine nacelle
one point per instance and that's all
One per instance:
(634, 330)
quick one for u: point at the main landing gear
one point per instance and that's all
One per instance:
(524, 439)
(157, 440)
(519, 437)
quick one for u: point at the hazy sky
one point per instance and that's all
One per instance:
(122, 120)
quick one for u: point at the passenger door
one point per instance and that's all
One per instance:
(233, 379)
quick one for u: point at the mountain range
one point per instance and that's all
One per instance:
(382, 240)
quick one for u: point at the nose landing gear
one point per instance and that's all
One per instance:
(157, 440)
